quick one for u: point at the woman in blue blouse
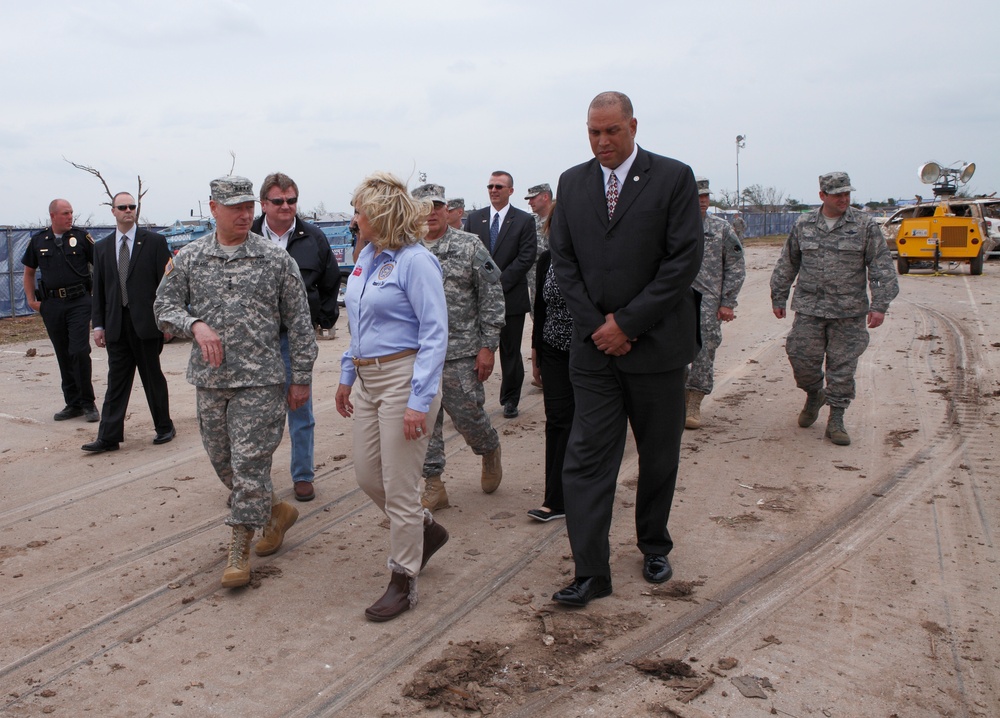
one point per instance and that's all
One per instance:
(399, 335)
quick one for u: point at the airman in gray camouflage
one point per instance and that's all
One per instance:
(475, 315)
(719, 281)
(232, 291)
(833, 251)
(540, 200)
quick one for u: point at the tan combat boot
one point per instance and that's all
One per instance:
(693, 418)
(810, 412)
(283, 515)
(492, 471)
(237, 571)
(434, 497)
(835, 430)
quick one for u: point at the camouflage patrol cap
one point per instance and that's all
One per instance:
(702, 183)
(835, 183)
(456, 203)
(538, 189)
(230, 190)
(433, 192)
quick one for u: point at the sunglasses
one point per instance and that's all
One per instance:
(496, 186)
(281, 200)
(123, 207)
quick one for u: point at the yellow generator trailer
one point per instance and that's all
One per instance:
(951, 234)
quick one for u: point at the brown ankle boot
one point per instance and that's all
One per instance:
(283, 515)
(435, 536)
(399, 597)
(237, 571)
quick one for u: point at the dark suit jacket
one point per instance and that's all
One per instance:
(638, 266)
(515, 252)
(149, 258)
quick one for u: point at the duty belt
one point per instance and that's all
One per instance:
(358, 361)
(72, 292)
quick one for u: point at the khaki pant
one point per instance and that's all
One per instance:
(387, 466)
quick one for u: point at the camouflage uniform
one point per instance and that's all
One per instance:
(543, 246)
(475, 315)
(719, 281)
(830, 301)
(739, 226)
(245, 296)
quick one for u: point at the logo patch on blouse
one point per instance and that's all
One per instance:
(385, 271)
(357, 270)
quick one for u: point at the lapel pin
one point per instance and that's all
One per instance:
(636, 178)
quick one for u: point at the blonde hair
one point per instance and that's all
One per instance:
(397, 218)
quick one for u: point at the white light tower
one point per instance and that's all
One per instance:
(741, 142)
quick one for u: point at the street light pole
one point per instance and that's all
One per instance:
(741, 142)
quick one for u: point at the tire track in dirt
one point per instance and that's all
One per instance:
(733, 611)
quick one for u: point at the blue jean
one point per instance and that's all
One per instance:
(301, 426)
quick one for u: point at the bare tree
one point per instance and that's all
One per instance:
(764, 199)
(111, 195)
(727, 199)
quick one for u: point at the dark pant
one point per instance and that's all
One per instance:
(511, 362)
(67, 322)
(606, 401)
(557, 391)
(126, 355)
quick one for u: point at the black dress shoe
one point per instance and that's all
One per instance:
(164, 437)
(656, 568)
(583, 589)
(510, 410)
(68, 412)
(91, 414)
(99, 446)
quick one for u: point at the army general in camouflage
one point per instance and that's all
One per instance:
(475, 315)
(232, 291)
(832, 250)
(719, 280)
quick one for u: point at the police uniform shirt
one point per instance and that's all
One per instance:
(63, 261)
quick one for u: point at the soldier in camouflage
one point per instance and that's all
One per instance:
(833, 251)
(719, 280)
(456, 213)
(475, 315)
(232, 291)
(540, 200)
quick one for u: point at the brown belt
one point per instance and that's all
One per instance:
(382, 360)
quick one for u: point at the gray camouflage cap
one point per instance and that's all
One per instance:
(456, 203)
(433, 192)
(702, 183)
(835, 183)
(538, 189)
(230, 190)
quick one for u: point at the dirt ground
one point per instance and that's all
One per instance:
(810, 580)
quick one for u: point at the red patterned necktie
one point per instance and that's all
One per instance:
(612, 195)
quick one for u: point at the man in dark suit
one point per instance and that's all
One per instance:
(626, 242)
(128, 266)
(509, 234)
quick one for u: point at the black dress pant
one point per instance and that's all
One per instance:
(557, 392)
(511, 361)
(67, 322)
(608, 400)
(126, 355)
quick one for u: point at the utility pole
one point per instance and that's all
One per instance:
(741, 142)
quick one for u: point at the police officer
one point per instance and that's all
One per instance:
(475, 315)
(232, 291)
(64, 254)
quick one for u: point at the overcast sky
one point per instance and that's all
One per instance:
(329, 91)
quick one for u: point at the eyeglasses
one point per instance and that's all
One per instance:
(281, 200)
(496, 186)
(123, 207)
